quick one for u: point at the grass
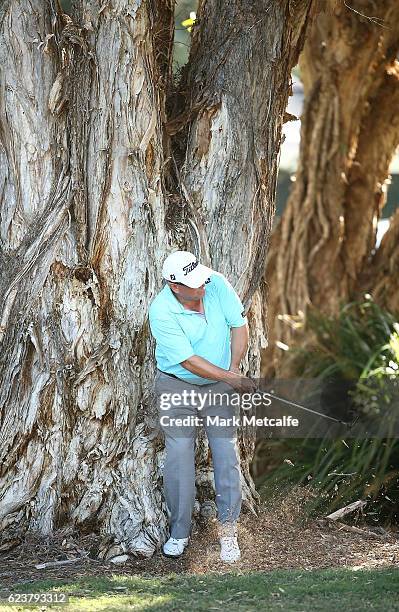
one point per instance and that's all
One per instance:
(294, 591)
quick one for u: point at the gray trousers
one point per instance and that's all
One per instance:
(179, 466)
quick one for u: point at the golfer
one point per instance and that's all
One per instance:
(201, 335)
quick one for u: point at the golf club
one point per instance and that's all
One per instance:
(310, 410)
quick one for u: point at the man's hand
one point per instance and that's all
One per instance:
(242, 384)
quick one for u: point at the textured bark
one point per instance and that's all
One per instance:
(381, 277)
(75, 398)
(86, 221)
(232, 146)
(36, 194)
(324, 240)
(367, 182)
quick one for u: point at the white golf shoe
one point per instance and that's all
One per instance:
(229, 549)
(174, 547)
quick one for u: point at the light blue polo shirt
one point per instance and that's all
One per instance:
(182, 333)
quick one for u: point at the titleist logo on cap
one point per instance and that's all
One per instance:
(190, 267)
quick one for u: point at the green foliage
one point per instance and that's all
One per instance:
(360, 345)
(351, 344)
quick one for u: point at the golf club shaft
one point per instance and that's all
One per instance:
(324, 416)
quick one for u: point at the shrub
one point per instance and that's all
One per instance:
(361, 347)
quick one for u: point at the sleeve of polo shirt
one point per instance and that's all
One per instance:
(231, 304)
(170, 339)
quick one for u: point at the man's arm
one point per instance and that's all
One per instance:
(233, 310)
(239, 345)
(202, 367)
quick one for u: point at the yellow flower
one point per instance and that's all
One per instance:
(188, 23)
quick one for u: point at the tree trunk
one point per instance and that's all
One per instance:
(90, 209)
(324, 240)
(381, 277)
(231, 148)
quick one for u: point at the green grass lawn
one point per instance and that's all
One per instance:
(342, 589)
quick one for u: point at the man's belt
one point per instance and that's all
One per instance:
(181, 380)
(172, 375)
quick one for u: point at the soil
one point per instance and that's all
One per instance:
(278, 538)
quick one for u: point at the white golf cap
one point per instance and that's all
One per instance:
(184, 267)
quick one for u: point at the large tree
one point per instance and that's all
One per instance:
(104, 168)
(322, 249)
